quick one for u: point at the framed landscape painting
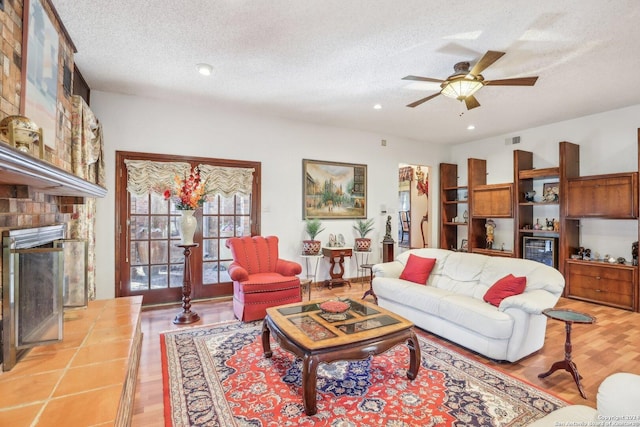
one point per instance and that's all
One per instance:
(333, 190)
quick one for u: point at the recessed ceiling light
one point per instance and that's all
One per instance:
(377, 107)
(471, 127)
(204, 69)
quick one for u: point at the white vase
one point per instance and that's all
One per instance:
(188, 225)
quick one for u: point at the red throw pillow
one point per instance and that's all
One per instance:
(417, 269)
(505, 287)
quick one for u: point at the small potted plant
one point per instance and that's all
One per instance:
(363, 227)
(313, 227)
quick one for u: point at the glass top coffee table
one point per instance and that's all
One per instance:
(316, 336)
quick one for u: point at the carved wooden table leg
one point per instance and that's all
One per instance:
(187, 316)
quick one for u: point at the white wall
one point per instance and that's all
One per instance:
(608, 144)
(150, 125)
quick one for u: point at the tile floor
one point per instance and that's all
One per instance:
(83, 380)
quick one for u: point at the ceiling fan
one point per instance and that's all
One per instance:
(463, 83)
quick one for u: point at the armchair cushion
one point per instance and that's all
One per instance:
(260, 278)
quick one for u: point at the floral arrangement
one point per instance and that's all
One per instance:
(188, 193)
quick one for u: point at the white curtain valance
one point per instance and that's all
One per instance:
(227, 180)
(145, 176)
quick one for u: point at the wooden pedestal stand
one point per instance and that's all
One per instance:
(187, 316)
(387, 250)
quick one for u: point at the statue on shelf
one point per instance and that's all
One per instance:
(490, 225)
(387, 235)
(634, 253)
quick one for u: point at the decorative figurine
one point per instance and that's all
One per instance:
(528, 195)
(556, 225)
(465, 216)
(634, 253)
(387, 235)
(490, 226)
(537, 225)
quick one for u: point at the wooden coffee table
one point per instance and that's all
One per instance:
(314, 336)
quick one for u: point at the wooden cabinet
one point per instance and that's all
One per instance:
(608, 284)
(493, 201)
(603, 196)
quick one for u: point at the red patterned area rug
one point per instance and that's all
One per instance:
(216, 375)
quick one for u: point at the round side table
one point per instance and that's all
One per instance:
(569, 317)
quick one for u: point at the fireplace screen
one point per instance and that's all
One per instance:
(74, 288)
(32, 278)
(38, 298)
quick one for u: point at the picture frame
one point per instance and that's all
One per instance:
(40, 53)
(550, 192)
(464, 246)
(333, 190)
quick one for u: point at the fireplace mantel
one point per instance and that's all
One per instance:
(17, 168)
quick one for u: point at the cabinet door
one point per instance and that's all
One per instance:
(603, 196)
(494, 200)
(601, 283)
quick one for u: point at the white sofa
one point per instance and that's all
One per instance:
(618, 404)
(452, 307)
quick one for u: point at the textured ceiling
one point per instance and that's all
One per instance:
(330, 61)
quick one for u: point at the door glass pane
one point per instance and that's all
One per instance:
(210, 228)
(227, 227)
(244, 226)
(159, 205)
(227, 205)
(139, 204)
(139, 227)
(210, 250)
(139, 278)
(159, 279)
(159, 252)
(176, 276)
(243, 205)
(210, 207)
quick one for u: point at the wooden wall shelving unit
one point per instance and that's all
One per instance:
(608, 196)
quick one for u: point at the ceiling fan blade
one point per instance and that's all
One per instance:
(518, 81)
(489, 58)
(423, 100)
(471, 102)
(422, 79)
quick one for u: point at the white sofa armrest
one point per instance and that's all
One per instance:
(388, 269)
(619, 396)
(532, 302)
(577, 415)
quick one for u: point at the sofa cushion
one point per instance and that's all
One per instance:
(417, 269)
(508, 286)
(477, 316)
(403, 292)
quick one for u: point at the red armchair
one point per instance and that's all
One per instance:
(260, 278)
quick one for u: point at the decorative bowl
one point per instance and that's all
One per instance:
(334, 306)
(25, 131)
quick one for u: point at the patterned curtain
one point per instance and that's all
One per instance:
(227, 181)
(146, 176)
(87, 162)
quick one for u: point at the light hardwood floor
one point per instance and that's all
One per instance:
(610, 345)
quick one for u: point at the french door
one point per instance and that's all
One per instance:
(150, 263)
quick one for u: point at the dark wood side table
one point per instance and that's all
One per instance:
(186, 316)
(370, 290)
(569, 317)
(339, 254)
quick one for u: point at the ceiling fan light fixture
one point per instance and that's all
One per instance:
(460, 88)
